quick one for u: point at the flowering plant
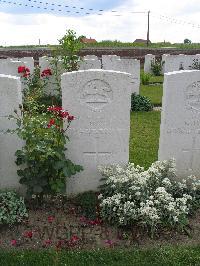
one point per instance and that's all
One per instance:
(46, 73)
(44, 165)
(24, 71)
(153, 197)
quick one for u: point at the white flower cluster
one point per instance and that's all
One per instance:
(155, 196)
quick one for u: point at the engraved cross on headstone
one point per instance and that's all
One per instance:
(191, 152)
(96, 154)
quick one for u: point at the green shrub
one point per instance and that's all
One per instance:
(156, 67)
(140, 103)
(145, 78)
(12, 208)
(88, 202)
(152, 198)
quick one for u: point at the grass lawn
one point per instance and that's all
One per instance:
(144, 137)
(158, 79)
(154, 93)
(161, 256)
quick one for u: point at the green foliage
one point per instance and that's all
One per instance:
(140, 103)
(12, 208)
(34, 97)
(70, 45)
(44, 165)
(187, 41)
(88, 202)
(156, 67)
(65, 56)
(145, 78)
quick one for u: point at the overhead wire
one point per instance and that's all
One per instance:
(68, 7)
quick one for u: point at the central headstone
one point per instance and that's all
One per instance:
(180, 121)
(99, 135)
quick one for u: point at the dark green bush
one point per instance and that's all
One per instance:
(88, 202)
(140, 103)
(156, 67)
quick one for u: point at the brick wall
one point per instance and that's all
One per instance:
(132, 52)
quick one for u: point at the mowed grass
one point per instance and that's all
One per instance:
(168, 256)
(155, 79)
(144, 137)
(154, 93)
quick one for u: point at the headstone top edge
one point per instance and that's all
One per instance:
(94, 71)
(9, 76)
(181, 72)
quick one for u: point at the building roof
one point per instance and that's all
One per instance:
(141, 41)
(86, 40)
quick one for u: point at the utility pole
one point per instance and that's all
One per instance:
(148, 28)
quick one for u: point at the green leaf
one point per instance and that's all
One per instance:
(59, 165)
(20, 172)
(37, 189)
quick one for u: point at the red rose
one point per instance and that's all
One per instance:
(46, 72)
(21, 69)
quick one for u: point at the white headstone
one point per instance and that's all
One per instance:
(163, 62)
(175, 63)
(90, 64)
(28, 62)
(108, 61)
(147, 63)
(180, 121)
(10, 99)
(131, 66)
(94, 57)
(99, 135)
(10, 67)
(51, 87)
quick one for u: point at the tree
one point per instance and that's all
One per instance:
(187, 41)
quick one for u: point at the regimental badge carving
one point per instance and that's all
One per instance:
(96, 94)
(192, 97)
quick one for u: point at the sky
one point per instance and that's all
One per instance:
(24, 22)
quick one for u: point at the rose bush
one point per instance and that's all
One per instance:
(42, 161)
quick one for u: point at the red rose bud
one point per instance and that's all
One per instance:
(63, 114)
(51, 123)
(70, 117)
